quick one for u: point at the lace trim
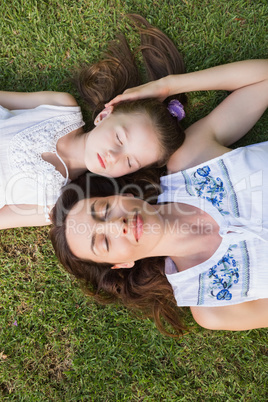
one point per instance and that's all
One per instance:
(26, 149)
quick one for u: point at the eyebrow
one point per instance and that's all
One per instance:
(92, 210)
(93, 238)
(92, 246)
(127, 137)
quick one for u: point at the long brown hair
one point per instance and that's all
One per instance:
(117, 71)
(143, 288)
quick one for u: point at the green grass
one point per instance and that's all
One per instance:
(64, 347)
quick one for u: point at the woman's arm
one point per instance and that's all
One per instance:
(238, 317)
(14, 216)
(225, 77)
(30, 100)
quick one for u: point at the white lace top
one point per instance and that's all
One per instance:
(233, 189)
(25, 178)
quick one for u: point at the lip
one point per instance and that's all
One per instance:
(101, 161)
(138, 228)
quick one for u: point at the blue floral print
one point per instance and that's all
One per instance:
(213, 185)
(223, 276)
(210, 188)
(203, 171)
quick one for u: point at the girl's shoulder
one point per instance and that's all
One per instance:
(197, 148)
(64, 99)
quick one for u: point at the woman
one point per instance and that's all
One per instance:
(211, 221)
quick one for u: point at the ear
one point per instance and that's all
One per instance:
(124, 265)
(103, 114)
(128, 195)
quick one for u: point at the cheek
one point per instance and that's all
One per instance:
(98, 134)
(118, 170)
(157, 151)
(126, 252)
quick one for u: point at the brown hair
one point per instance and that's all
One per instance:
(117, 71)
(143, 288)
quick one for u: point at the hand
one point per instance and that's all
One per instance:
(154, 89)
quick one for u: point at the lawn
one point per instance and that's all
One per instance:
(55, 344)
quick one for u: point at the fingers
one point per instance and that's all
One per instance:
(153, 89)
(117, 99)
(127, 95)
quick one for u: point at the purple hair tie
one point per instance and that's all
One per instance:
(175, 108)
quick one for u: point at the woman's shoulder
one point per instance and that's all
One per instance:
(237, 317)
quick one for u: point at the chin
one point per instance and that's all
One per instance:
(106, 175)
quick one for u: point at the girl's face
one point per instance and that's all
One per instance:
(115, 229)
(121, 144)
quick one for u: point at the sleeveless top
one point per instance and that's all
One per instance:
(233, 189)
(25, 178)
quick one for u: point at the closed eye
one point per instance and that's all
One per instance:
(107, 244)
(129, 164)
(118, 139)
(103, 214)
(106, 211)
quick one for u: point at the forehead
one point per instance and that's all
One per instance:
(80, 210)
(141, 133)
(79, 226)
(142, 117)
(135, 121)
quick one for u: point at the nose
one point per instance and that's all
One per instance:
(115, 227)
(112, 157)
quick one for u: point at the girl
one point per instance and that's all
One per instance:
(43, 144)
(211, 219)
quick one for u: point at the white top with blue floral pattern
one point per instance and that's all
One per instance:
(233, 189)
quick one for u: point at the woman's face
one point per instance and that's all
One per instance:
(115, 229)
(121, 144)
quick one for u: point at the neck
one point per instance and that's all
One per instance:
(71, 148)
(186, 230)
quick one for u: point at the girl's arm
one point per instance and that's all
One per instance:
(225, 77)
(13, 216)
(238, 317)
(237, 114)
(233, 118)
(30, 100)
